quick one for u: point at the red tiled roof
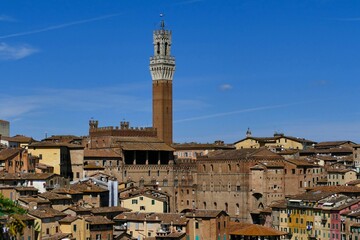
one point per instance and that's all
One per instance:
(253, 230)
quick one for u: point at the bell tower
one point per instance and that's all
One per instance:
(162, 68)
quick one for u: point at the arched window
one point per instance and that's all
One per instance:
(204, 204)
(215, 205)
(166, 45)
(125, 173)
(237, 212)
(158, 172)
(204, 168)
(226, 207)
(158, 48)
(149, 173)
(229, 167)
(212, 168)
(238, 167)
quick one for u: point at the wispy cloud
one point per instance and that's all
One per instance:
(67, 100)
(55, 27)
(225, 87)
(188, 2)
(6, 18)
(234, 112)
(348, 19)
(8, 52)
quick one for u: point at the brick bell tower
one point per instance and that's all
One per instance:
(162, 68)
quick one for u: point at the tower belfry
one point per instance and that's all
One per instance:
(162, 68)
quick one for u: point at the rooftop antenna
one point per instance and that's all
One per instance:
(162, 23)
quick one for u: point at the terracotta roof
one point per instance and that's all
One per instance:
(92, 166)
(163, 218)
(80, 209)
(28, 200)
(336, 189)
(62, 138)
(273, 164)
(68, 219)
(353, 183)
(9, 153)
(143, 143)
(274, 138)
(21, 189)
(111, 153)
(330, 144)
(339, 170)
(349, 203)
(202, 213)
(26, 176)
(48, 144)
(85, 187)
(238, 154)
(109, 209)
(245, 229)
(335, 150)
(96, 220)
(312, 196)
(46, 213)
(54, 196)
(279, 204)
(56, 236)
(301, 163)
(43, 166)
(24, 217)
(177, 235)
(201, 146)
(19, 139)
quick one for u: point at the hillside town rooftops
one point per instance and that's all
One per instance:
(19, 139)
(46, 213)
(98, 220)
(111, 153)
(252, 230)
(163, 218)
(49, 144)
(26, 176)
(54, 196)
(242, 154)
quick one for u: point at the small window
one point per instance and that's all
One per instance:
(197, 225)
(153, 202)
(134, 201)
(74, 227)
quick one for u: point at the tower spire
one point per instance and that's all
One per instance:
(162, 22)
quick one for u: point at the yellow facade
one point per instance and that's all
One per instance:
(276, 142)
(247, 143)
(79, 228)
(48, 156)
(143, 203)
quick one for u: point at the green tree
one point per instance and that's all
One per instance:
(14, 225)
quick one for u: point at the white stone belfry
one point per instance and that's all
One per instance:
(162, 64)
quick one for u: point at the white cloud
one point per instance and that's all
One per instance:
(6, 18)
(67, 100)
(215, 115)
(225, 87)
(8, 52)
(54, 27)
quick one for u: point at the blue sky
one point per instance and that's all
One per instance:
(285, 66)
